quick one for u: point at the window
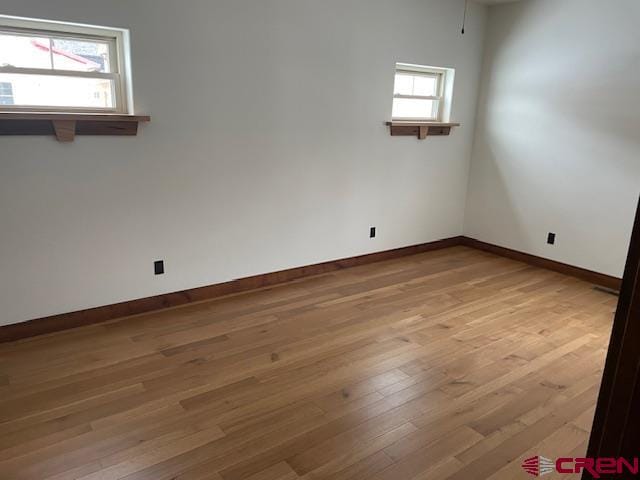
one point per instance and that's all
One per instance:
(419, 93)
(6, 93)
(51, 66)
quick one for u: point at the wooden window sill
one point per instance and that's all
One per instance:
(65, 126)
(421, 130)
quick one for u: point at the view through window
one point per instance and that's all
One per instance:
(62, 71)
(419, 93)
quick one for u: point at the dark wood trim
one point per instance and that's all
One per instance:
(65, 126)
(421, 130)
(615, 431)
(596, 278)
(91, 316)
(53, 116)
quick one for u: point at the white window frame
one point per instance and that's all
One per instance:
(118, 41)
(440, 74)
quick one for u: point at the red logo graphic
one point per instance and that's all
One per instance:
(596, 467)
(538, 466)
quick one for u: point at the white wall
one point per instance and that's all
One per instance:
(558, 141)
(267, 149)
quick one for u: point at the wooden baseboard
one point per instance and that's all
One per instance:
(607, 281)
(92, 316)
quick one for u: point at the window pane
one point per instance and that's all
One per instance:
(60, 54)
(403, 85)
(6, 93)
(6, 88)
(24, 52)
(52, 91)
(414, 109)
(425, 86)
(79, 55)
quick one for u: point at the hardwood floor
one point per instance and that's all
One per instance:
(453, 364)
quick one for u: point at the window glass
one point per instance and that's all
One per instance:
(6, 93)
(59, 91)
(404, 84)
(52, 66)
(79, 55)
(410, 108)
(22, 51)
(425, 86)
(418, 93)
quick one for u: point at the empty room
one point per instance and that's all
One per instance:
(319, 240)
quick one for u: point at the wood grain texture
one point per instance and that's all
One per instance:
(65, 130)
(596, 278)
(420, 129)
(65, 126)
(76, 117)
(65, 321)
(450, 364)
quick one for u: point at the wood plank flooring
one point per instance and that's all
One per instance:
(454, 364)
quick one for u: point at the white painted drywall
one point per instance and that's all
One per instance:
(557, 147)
(267, 149)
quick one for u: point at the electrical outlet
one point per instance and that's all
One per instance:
(551, 238)
(158, 267)
(372, 232)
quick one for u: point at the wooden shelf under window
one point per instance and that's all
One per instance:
(421, 130)
(65, 126)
